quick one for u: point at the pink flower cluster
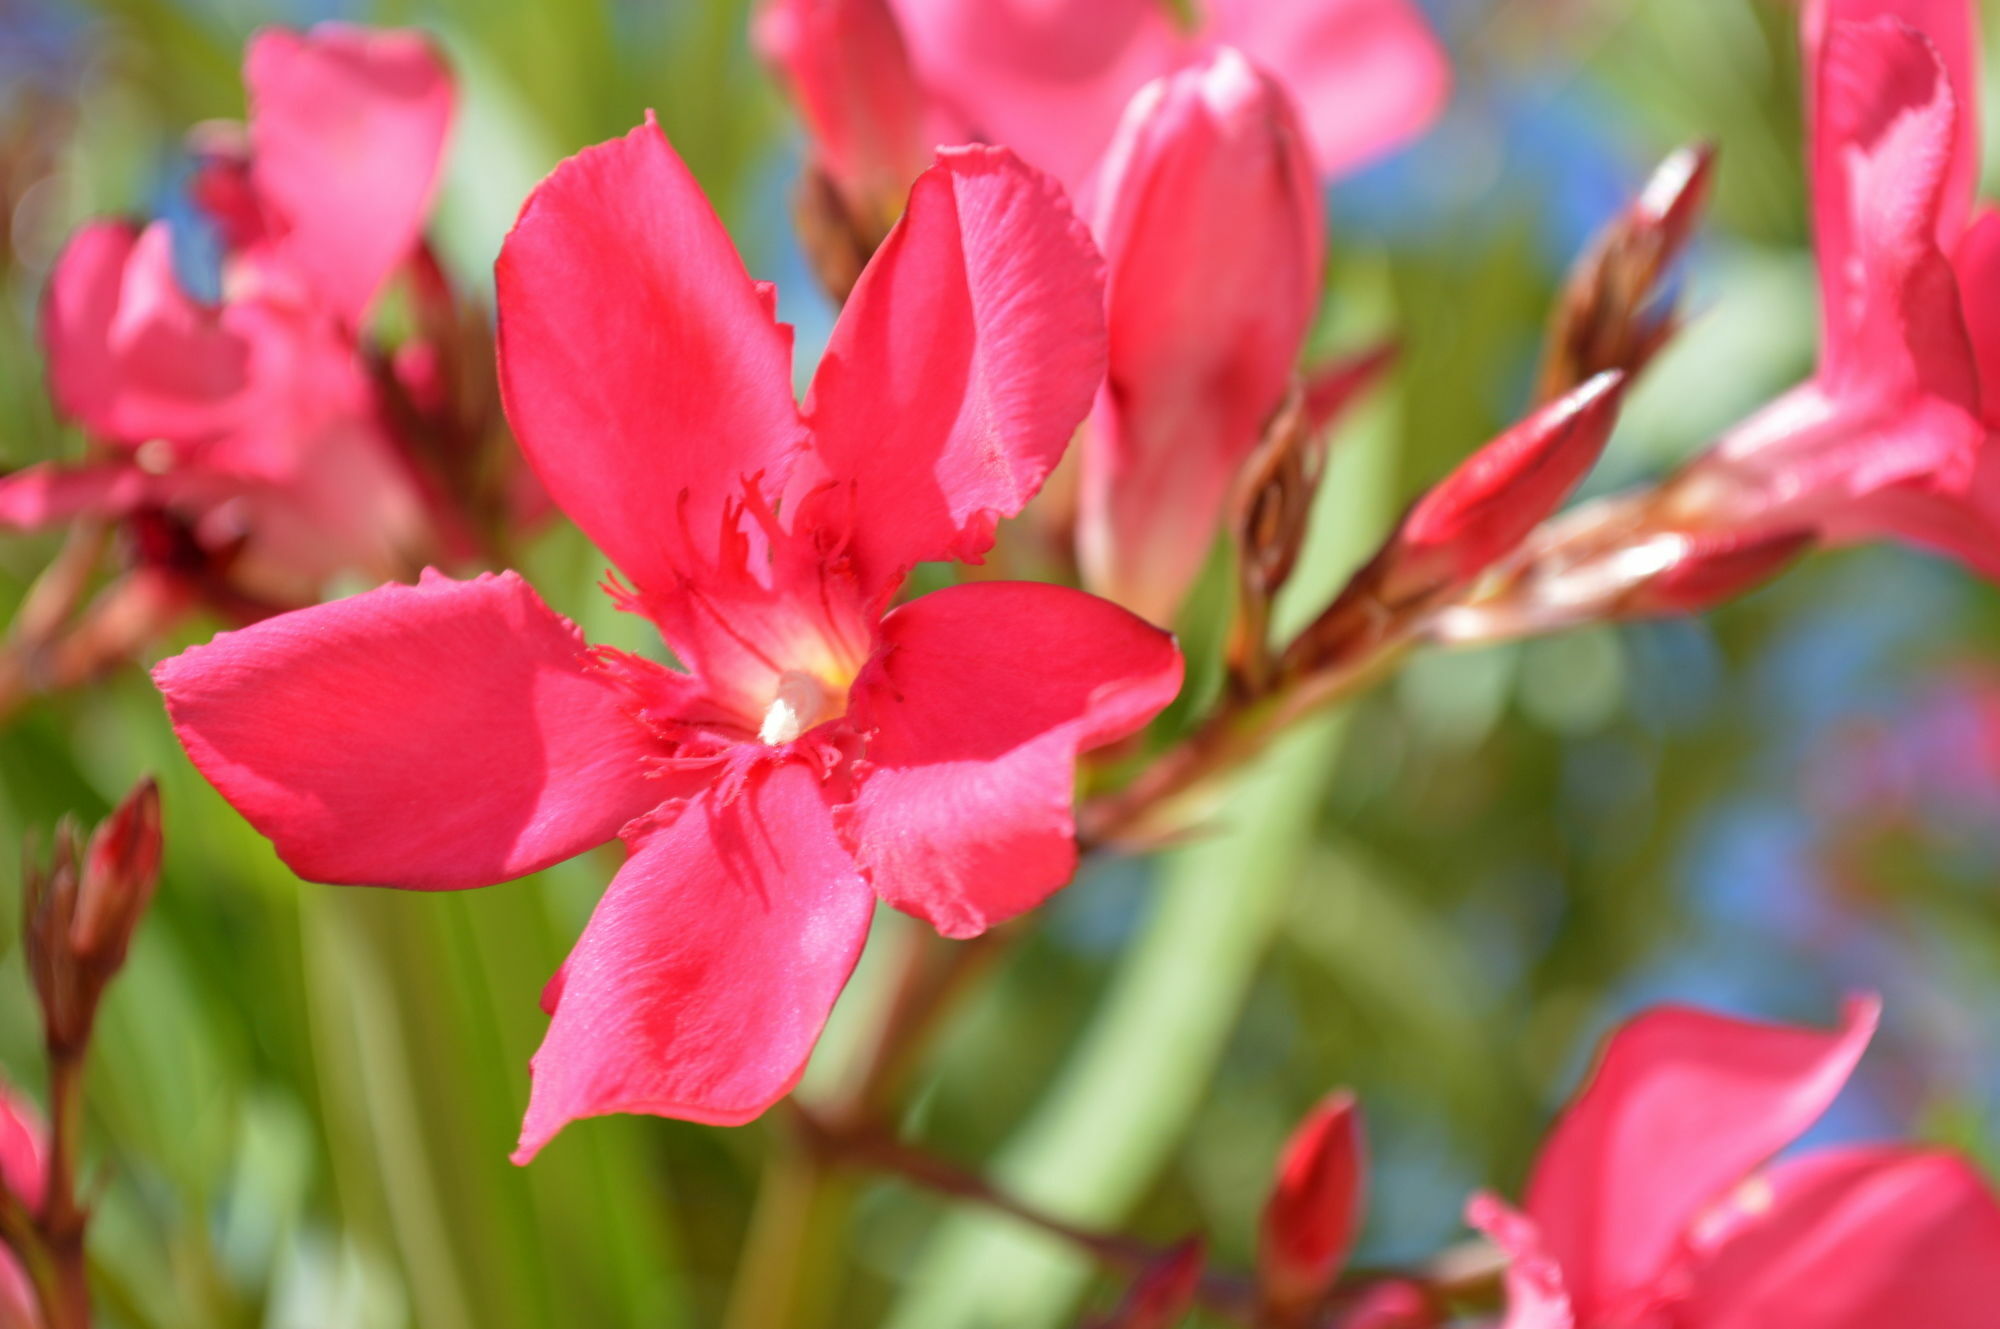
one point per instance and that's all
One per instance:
(250, 439)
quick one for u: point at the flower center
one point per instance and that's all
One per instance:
(803, 701)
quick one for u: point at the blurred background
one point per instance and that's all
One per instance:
(303, 1096)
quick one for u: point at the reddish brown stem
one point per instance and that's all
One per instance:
(865, 1148)
(63, 1217)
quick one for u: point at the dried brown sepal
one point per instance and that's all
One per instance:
(1608, 315)
(837, 243)
(1268, 516)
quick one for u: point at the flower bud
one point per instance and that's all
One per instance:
(1478, 514)
(48, 907)
(1314, 1208)
(1209, 217)
(80, 910)
(121, 868)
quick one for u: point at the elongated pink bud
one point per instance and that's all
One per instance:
(1209, 217)
(1314, 1209)
(1482, 510)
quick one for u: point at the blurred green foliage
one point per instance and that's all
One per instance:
(304, 1096)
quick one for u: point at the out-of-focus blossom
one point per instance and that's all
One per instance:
(1888, 438)
(267, 434)
(879, 82)
(823, 751)
(871, 123)
(24, 1174)
(1210, 223)
(1314, 1209)
(1051, 78)
(1654, 1201)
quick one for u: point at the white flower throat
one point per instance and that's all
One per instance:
(803, 701)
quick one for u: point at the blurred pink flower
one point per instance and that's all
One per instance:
(256, 422)
(23, 1172)
(877, 80)
(1893, 435)
(1051, 78)
(824, 751)
(1652, 1206)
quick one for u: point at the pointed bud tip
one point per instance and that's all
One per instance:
(121, 868)
(1488, 505)
(1315, 1205)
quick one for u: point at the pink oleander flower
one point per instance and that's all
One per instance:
(255, 423)
(879, 80)
(1209, 217)
(23, 1173)
(1893, 435)
(1654, 1204)
(1051, 78)
(823, 750)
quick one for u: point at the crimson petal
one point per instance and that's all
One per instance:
(980, 701)
(438, 736)
(702, 981)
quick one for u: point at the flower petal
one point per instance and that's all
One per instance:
(963, 362)
(1977, 263)
(131, 357)
(1681, 1107)
(1049, 78)
(980, 701)
(1211, 226)
(846, 68)
(642, 369)
(1855, 1239)
(347, 130)
(1951, 27)
(1369, 75)
(700, 985)
(437, 736)
(1885, 139)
